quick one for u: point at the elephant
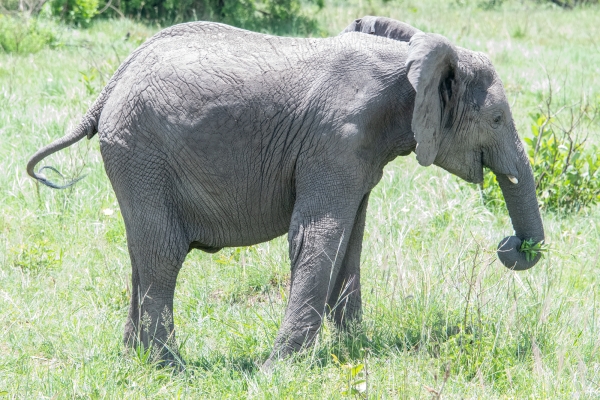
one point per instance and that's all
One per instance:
(382, 26)
(214, 136)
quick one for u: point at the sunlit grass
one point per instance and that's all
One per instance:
(436, 299)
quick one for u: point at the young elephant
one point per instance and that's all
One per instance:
(213, 137)
(382, 26)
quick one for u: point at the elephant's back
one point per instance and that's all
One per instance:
(189, 69)
(207, 46)
(219, 55)
(206, 83)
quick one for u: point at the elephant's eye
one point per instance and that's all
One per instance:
(496, 121)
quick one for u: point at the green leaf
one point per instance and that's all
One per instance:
(354, 371)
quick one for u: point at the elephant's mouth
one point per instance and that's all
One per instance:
(511, 173)
(480, 164)
(471, 169)
(476, 173)
(478, 176)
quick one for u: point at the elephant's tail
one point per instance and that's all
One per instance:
(87, 127)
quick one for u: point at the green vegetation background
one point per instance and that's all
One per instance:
(441, 313)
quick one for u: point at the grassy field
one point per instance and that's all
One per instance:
(441, 313)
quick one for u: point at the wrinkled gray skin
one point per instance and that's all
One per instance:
(215, 137)
(382, 26)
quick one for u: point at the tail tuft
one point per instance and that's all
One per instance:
(42, 179)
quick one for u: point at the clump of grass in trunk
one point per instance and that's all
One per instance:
(532, 249)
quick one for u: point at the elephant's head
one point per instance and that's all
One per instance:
(382, 26)
(462, 122)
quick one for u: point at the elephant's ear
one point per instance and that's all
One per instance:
(353, 27)
(390, 28)
(431, 68)
(364, 24)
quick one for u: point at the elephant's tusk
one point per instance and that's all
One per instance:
(512, 179)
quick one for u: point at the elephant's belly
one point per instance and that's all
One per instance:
(210, 233)
(237, 190)
(241, 213)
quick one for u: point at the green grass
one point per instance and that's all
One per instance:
(436, 298)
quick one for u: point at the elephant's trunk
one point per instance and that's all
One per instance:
(524, 212)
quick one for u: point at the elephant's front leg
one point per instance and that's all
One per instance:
(345, 300)
(317, 248)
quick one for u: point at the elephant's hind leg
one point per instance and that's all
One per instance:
(131, 337)
(156, 240)
(157, 247)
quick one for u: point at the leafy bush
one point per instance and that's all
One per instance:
(496, 4)
(24, 35)
(276, 16)
(23, 7)
(567, 175)
(79, 12)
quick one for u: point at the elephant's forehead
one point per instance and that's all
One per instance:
(495, 93)
(480, 76)
(486, 94)
(477, 65)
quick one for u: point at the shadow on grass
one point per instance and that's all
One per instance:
(360, 341)
(351, 345)
(216, 361)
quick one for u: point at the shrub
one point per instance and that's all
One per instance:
(23, 7)
(24, 35)
(567, 175)
(78, 12)
(276, 16)
(36, 255)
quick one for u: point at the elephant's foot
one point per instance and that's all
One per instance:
(290, 343)
(131, 338)
(155, 352)
(153, 343)
(348, 314)
(346, 305)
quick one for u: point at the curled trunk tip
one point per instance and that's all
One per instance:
(509, 252)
